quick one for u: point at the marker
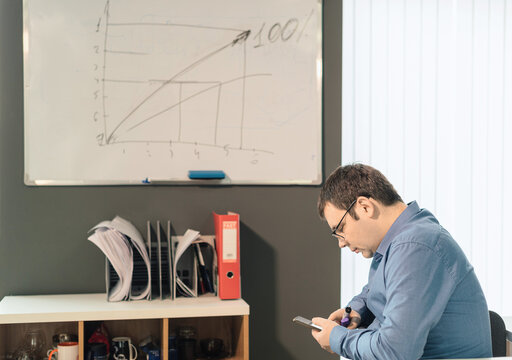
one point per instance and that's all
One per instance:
(206, 174)
(146, 181)
(346, 319)
(205, 281)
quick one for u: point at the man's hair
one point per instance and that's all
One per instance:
(347, 183)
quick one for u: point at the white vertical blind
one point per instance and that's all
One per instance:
(427, 99)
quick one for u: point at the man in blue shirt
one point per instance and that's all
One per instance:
(422, 299)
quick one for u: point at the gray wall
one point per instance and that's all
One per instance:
(290, 265)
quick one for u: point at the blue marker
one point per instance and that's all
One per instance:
(146, 181)
(206, 174)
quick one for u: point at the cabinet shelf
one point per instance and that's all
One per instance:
(74, 311)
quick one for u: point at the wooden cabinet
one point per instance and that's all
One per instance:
(210, 316)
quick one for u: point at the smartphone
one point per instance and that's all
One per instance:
(306, 322)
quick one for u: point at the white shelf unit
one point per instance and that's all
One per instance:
(212, 317)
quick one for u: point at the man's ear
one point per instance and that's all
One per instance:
(367, 207)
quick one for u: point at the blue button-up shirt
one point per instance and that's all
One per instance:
(422, 299)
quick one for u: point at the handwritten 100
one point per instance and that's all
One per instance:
(276, 31)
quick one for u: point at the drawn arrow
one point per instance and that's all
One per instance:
(241, 37)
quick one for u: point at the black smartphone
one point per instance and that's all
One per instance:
(306, 322)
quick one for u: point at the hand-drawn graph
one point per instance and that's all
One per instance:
(175, 86)
(177, 90)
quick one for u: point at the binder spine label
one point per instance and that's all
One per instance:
(229, 245)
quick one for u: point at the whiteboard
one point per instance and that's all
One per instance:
(120, 91)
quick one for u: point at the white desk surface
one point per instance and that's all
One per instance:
(88, 307)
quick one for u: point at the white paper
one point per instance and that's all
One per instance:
(187, 239)
(131, 231)
(113, 238)
(184, 243)
(116, 248)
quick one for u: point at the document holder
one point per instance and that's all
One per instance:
(191, 273)
(186, 266)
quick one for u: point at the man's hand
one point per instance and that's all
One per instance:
(355, 318)
(322, 337)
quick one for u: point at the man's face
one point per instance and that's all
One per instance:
(354, 234)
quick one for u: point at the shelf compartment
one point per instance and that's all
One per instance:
(233, 330)
(136, 329)
(12, 335)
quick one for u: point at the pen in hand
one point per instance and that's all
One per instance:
(346, 318)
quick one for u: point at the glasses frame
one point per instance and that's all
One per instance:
(337, 228)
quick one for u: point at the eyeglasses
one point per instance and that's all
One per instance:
(337, 228)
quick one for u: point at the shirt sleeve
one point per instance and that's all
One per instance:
(417, 288)
(358, 303)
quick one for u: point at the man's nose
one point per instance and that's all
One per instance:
(342, 243)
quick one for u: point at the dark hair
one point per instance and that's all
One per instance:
(346, 183)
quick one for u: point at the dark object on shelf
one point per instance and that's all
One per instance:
(150, 348)
(63, 337)
(97, 351)
(213, 348)
(100, 335)
(187, 343)
(173, 347)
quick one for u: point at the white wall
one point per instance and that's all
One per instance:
(427, 99)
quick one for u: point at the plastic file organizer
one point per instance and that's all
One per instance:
(180, 266)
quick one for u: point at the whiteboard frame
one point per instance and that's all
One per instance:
(227, 181)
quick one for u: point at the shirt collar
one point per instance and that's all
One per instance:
(411, 209)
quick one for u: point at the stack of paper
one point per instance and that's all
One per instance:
(117, 239)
